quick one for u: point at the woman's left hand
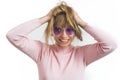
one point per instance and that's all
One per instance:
(78, 19)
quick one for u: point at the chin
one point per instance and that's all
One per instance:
(64, 45)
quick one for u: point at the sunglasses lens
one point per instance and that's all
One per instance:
(57, 30)
(69, 31)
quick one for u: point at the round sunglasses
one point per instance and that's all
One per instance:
(58, 30)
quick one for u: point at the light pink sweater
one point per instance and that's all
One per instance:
(57, 63)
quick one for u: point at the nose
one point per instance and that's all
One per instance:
(64, 33)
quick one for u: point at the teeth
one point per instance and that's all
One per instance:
(64, 40)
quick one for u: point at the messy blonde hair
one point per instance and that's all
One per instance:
(62, 15)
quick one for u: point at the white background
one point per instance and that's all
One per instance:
(14, 65)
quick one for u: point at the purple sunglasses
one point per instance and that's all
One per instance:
(58, 30)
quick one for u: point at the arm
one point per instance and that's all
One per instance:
(105, 44)
(18, 37)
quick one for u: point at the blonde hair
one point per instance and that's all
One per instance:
(62, 15)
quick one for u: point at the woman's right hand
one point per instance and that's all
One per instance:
(47, 17)
(50, 14)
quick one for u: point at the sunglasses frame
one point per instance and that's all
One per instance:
(59, 30)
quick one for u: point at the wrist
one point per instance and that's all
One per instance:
(44, 19)
(82, 24)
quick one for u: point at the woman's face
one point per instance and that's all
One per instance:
(63, 36)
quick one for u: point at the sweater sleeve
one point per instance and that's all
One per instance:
(18, 37)
(104, 45)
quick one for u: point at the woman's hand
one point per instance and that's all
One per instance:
(79, 20)
(50, 14)
(47, 17)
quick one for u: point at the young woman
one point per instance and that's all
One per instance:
(61, 61)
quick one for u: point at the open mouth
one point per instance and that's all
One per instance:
(64, 40)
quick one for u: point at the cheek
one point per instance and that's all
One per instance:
(72, 37)
(56, 37)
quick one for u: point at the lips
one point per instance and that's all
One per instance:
(64, 40)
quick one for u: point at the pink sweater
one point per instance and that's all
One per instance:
(57, 63)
